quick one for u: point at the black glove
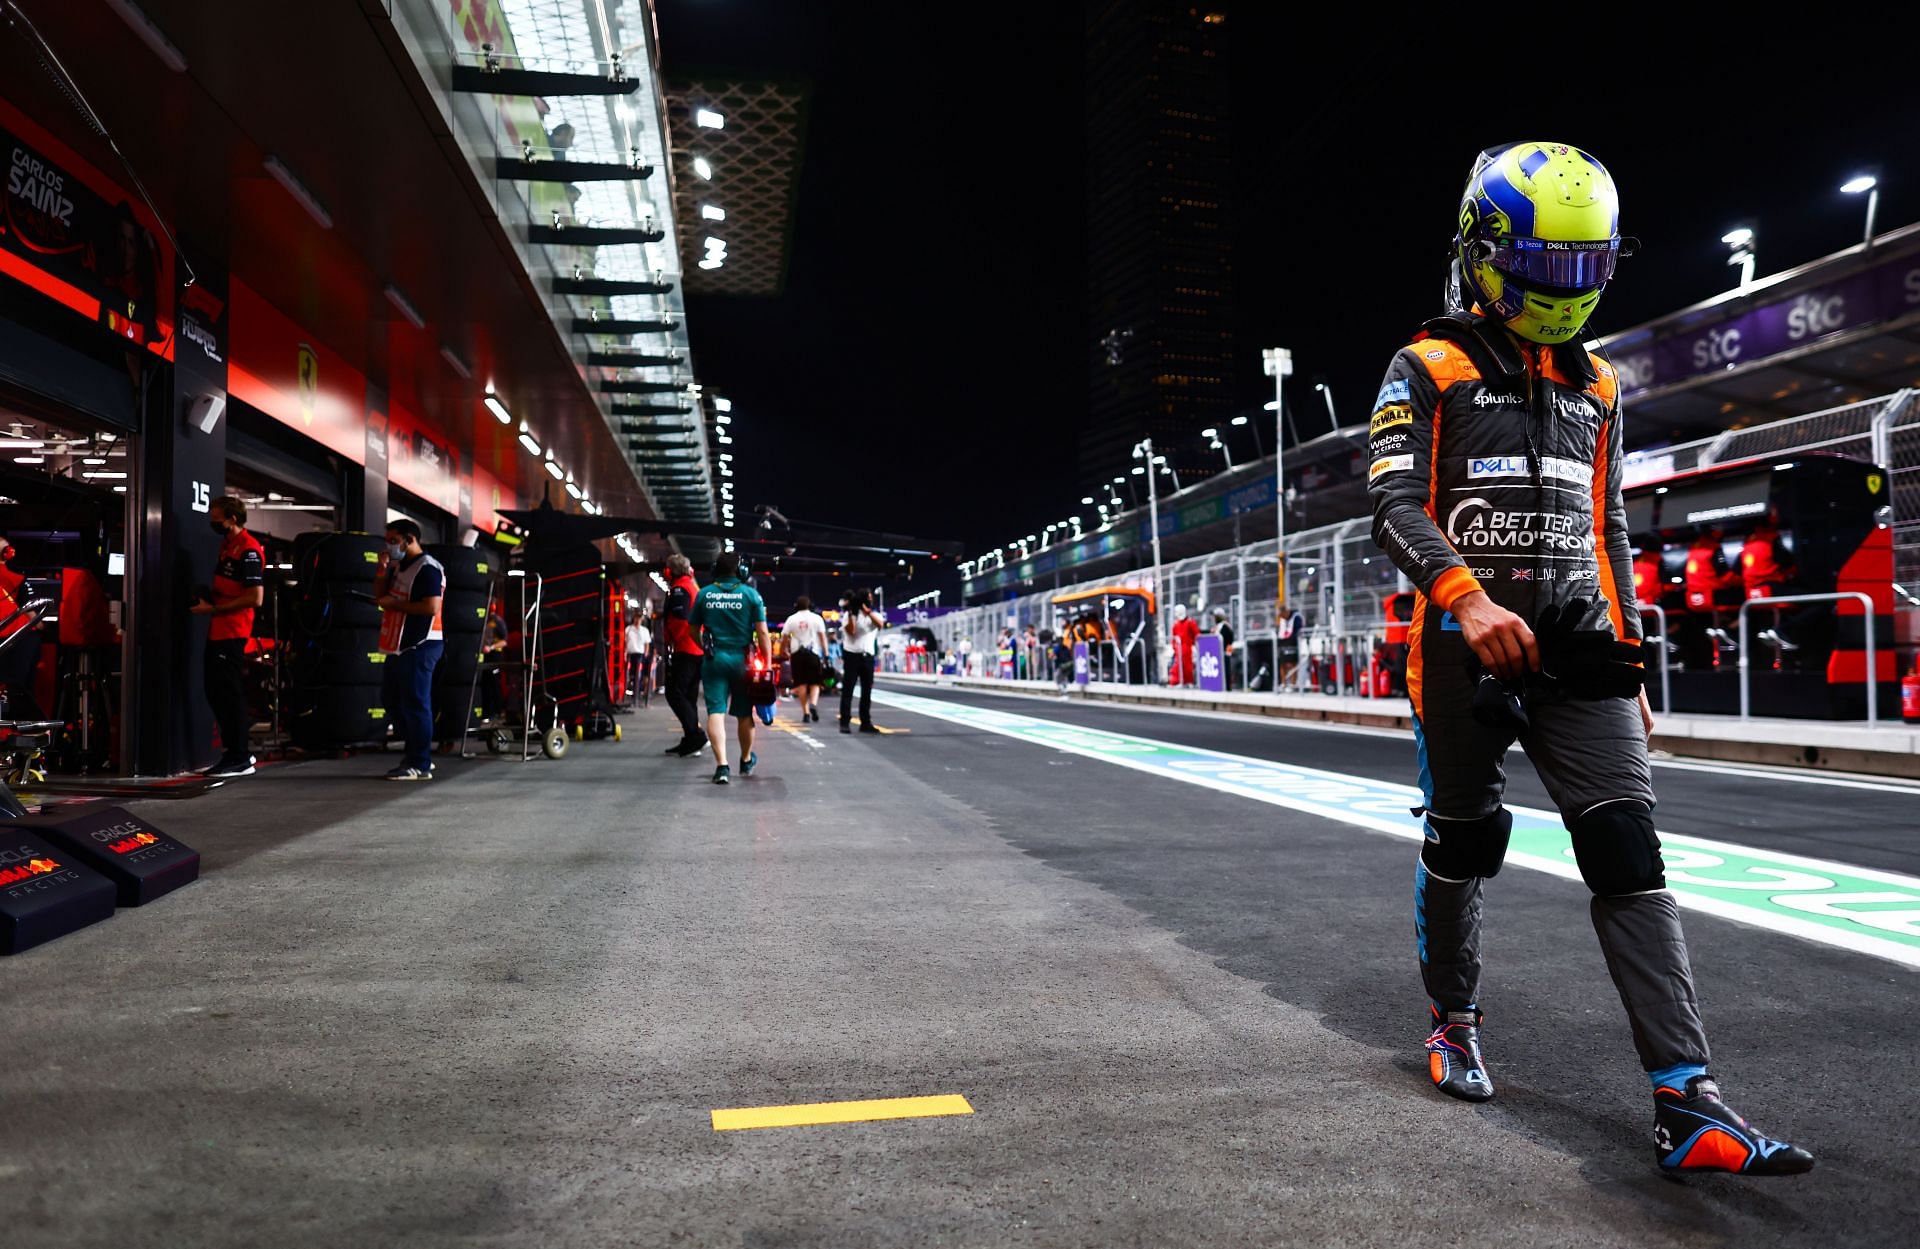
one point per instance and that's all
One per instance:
(1497, 706)
(1587, 664)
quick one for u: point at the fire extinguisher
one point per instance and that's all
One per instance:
(1910, 695)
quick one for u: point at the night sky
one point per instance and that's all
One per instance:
(924, 371)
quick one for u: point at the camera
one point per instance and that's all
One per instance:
(857, 600)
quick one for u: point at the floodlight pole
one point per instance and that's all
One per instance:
(1278, 363)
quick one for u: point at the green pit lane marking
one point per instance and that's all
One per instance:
(1855, 908)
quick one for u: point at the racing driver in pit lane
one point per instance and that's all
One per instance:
(1495, 450)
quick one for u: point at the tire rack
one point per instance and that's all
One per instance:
(532, 668)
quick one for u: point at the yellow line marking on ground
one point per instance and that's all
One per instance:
(794, 730)
(839, 1112)
(890, 732)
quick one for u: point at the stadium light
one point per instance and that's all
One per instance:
(707, 119)
(1741, 240)
(1871, 185)
(702, 168)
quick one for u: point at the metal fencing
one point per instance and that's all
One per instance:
(1340, 583)
(1341, 580)
(1884, 431)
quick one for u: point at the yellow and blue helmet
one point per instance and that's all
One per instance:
(1539, 238)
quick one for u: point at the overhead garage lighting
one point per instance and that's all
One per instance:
(722, 404)
(701, 167)
(707, 119)
(711, 263)
(22, 444)
(298, 189)
(404, 306)
(94, 459)
(29, 459)
(150, 34)
(454, 362)
(105, 476)
(712, 212)
(553, 468)
(526, 440)
(498, 409)
(574, 490)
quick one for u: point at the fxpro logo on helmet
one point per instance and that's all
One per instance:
(1478, 526)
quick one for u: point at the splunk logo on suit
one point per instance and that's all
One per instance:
(1477, 525)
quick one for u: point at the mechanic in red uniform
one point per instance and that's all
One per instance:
(1763, 574)
(1186, 635)
(684, 658)
(1708, 575)
(1767, 571)
(239, 586)
(20, 660)
(1646, 578)
(1712, 583)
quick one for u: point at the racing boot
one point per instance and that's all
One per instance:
(1453, 1056)
(1693, 1130)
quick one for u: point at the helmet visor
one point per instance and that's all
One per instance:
(1547, 264)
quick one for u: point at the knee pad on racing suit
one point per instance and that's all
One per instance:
(1465, 849)
(1617, 850)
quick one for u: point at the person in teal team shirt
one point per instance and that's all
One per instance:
(734, 619)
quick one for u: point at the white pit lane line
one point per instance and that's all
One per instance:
(1751, 771)
(1853, 908)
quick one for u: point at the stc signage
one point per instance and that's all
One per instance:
(1881, 293)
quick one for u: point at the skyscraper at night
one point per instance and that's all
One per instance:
(1159, 244)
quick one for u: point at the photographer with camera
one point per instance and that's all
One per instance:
(860, 627)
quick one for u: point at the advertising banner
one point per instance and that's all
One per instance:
(1210, 660)
(75, 236)
(419, 461)
(1881, 293)
(1082, 665)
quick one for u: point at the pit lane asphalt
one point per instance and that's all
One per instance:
(1814, 1043)
(497, 1009)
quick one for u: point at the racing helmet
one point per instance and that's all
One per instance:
(1539, 238)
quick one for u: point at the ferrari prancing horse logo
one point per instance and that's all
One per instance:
(1874, 481)
(307, 377)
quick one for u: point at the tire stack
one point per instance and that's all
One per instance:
(335, 667)
(463, 622)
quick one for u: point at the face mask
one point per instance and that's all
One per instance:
(396, 551)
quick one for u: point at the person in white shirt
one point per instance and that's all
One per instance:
(859, 639)
(805, 638)
(639, 660)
